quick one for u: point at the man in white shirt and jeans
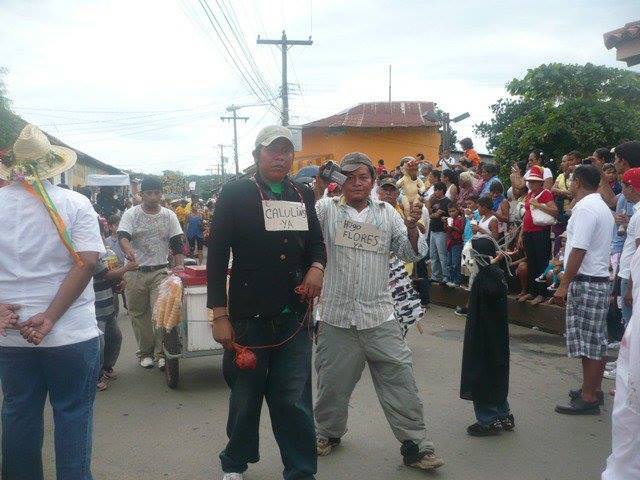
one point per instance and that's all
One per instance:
(53, 347)
(357, 323)
(587, 286)
(146, 232)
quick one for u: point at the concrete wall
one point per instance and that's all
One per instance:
(390, 144)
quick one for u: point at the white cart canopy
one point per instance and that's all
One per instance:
(108, 180)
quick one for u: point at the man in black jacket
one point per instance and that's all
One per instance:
(279, 256)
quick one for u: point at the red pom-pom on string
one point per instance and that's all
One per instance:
(245, 358)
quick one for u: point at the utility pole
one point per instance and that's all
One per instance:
(222, 158)
(284, 44)
(235, 119)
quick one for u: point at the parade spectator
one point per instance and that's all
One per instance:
(469, 152)
(536, 158)
(380, 169)
(602, 156)
(562, 196)
(108, 203)
(631, 191)
(488, 224)
(271, 261)
(146, 232)
(485, 353)
(535, 237)
(468, 186)
(433, 178)
(454, 227)
(489, 175)
(450, 179)
(586, 286)
(627, 155)
(424, 170)
(195, 232)
(611, 177)
(182, 211)
(500, 207)
(438, 205)
(447, 161)
(356, 315)
(47, 286)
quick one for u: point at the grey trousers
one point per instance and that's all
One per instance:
(341, 354)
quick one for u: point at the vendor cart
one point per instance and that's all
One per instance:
(192, 337)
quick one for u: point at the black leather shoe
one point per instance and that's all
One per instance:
(577, 393)
(508, 423)
(578, 406)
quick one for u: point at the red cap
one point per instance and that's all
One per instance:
(535, 173)
(632, 178)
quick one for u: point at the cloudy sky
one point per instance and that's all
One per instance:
(142, 84)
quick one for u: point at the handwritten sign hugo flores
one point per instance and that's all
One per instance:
(282, 216)
(363, 236)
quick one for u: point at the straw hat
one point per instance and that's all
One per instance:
(32, 153)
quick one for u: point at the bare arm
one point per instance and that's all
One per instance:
(573, 265)
(37, 327)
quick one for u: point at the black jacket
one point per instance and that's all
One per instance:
(267, 266)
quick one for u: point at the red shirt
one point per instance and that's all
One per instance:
(544, 197)
(455, 237)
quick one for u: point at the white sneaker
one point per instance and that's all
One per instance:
(611, 375)
(232, 476)
(146, 362)
(611, 365)
(614, 346)
(451, 285)
(161, 364)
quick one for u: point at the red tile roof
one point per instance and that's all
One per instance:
(630, 31)
(379, 114)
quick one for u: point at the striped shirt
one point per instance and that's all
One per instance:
(103, 291)
(356, 282)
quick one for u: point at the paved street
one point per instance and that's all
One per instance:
(143, 430)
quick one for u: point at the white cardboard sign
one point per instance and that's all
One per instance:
(359, 235)
(284, 216)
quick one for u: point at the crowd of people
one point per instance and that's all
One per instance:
(338, 272)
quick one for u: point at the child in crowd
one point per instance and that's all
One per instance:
(554, 271)
(195, 232)
(611, 176)
(485, 354)
(500, 207)
(455, 228)
(111, 240)
(109, 274)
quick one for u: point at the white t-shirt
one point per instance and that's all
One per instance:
(547, 173)
(589, 228)
(629, 248)
(34, 262)
(150, 234)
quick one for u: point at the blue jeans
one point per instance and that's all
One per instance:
(439, 259)
(486, 414)
(283, 378)
(68, 374)
(626, 309)
(454, 258)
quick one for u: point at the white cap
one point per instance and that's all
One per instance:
(267, 135)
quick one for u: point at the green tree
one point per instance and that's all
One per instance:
(558, 108)
(10, 123)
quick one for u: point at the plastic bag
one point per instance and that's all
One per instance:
(167, 311)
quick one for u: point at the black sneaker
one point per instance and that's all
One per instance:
(479, 430)
(579, 407)
(508, 423)
(577, 393)
(461, 311)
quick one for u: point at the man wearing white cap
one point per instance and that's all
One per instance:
(44, 281)
(279, 256)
